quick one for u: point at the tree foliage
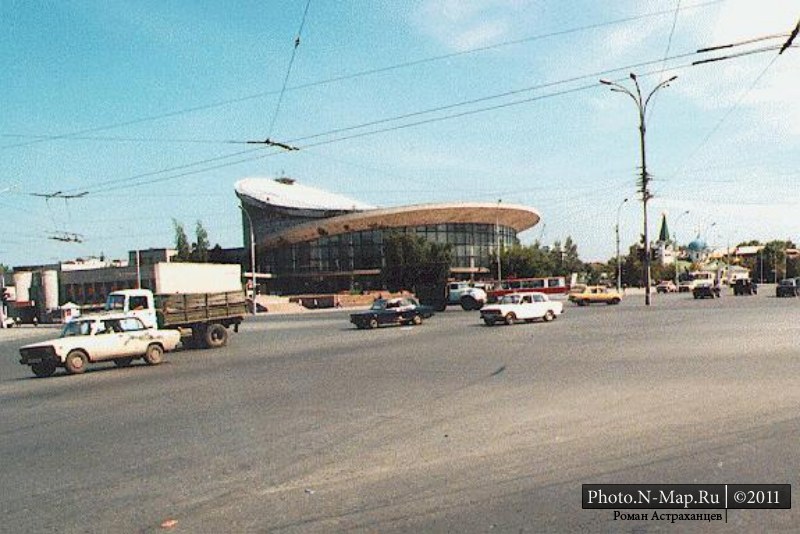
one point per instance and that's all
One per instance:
(201, 245)
(181, 242)
(413, 262)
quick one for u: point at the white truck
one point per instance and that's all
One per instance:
(469, 295)
(201, 300)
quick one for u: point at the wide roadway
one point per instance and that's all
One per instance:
(303, 423)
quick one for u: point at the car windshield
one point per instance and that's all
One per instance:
(789, 282)
(77, 328)
(379, 304)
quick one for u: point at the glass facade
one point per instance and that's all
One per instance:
(343, 256)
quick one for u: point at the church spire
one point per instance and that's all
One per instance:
(663, 235)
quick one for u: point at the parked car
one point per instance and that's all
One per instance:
(744, 286)
(787, 288)
(90, 339)
(391, 311)
(595, 294)
(521, 307)
(706, 291)
(686, 286)
(666, 286)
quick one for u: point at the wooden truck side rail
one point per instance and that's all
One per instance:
(186, 309)
(208, 315)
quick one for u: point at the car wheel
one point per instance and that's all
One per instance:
(216, 336)
(43, 369)
(614, 301)
(154, 354)
(510, 318)
(76, 362)
(123, 362)
(416, 320)
(373, 323)
(549, 316)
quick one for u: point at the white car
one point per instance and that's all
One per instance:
(86, 339)
(522, 307)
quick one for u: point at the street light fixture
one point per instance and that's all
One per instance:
(641, 105)
(619, 263)
(252, 258)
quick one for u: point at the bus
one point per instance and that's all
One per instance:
(553, 285)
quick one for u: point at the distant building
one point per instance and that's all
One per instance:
(309, 240)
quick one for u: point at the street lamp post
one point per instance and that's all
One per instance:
(252, 257)
(677, 248)
(497, 241)
(619, 262)
(641, 105)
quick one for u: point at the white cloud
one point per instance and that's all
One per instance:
(461, 25)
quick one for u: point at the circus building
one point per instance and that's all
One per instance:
(309, 240)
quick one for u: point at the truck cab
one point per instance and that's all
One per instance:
(134, 302)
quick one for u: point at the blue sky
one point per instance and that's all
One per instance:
(147, 104)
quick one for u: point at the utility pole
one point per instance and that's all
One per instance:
(644, 182)
(619, 261)
(677, 247)
(252, 258)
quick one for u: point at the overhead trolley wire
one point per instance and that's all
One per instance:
(288, 71)
(126, 181)
(369, 72)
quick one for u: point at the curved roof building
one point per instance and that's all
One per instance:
(312, 240)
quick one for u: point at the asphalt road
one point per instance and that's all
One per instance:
(305, 424)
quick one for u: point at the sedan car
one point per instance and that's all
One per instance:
(787, 288)
(666, 286)
(391, 311)
(89, 339)
(595, 294)
(706, 291)
(521, 307)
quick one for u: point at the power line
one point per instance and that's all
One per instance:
(666, 52)
(128, 185)
(288, 71)
(355, 75)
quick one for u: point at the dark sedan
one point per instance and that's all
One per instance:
(787, 288)
(391, 311)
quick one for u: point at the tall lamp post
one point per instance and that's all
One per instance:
(497, 241)
(641, 105)
(252, 257)
(619, 262)
(677, 248)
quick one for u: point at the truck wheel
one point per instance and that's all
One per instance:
(76, 362)
(154, 354)
(469, 303)
(123, 362)
(43, 369)
(417, 320)
(216, 336)
(549, 316)
(510, 318)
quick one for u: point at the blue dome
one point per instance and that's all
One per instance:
(697, 245)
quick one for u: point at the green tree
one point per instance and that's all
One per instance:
(413, 262)
(201, 246)
(181, 242)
